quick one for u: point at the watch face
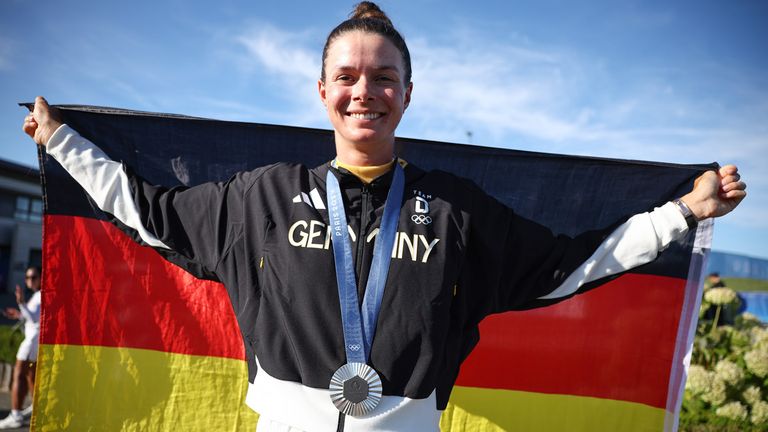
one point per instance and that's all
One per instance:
(690, 218)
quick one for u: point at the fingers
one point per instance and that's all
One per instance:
(41, 106)
(717, 193)
(733, 185)
(730, 178)
(728, 170)
(39, 112)
(30, 125)
(736, 195)
(42, 122)
(734, 190)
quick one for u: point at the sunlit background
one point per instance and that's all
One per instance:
(680, 82)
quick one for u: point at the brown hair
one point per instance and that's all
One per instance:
(369, 18)
(36, 268)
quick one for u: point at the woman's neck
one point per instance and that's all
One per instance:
(364, 155)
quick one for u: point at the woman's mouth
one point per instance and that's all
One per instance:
(365, 116)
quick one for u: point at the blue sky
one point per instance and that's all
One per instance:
(677, 81)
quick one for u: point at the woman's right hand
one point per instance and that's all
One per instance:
(11, 313)
(42, 122)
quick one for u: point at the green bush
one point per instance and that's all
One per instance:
(741, 284)
(10, 339)
(727, 382)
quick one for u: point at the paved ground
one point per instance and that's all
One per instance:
(5, 408)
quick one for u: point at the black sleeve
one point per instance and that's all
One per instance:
(513, 261)
(198, 224)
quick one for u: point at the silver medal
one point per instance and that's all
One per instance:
(355, 389)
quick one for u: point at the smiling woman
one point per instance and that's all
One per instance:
(398, 265)
(366, 92)
(365, 84)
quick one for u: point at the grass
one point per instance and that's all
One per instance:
(740, 284)
(9, 343)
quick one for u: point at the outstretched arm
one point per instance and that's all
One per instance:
(102, 178)
(714, 194)
(535, 267)
(190, 221)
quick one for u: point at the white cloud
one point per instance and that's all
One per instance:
(281, 52)
(496, 89)
(292, 66)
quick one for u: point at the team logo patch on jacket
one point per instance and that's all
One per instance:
(421, 208)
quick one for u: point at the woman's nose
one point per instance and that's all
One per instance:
(362, 90)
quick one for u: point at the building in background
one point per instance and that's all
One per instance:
(21, 217)
(737, 266)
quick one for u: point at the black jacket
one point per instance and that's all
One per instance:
(459, 255)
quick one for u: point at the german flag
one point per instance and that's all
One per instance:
(131, 341)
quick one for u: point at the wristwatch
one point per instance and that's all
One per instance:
(690, 218)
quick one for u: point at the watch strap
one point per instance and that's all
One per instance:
(690, 218)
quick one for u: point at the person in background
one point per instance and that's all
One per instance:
(728, 312)
(26, 356)
(714, 281)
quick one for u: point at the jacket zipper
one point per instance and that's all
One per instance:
(364, 212)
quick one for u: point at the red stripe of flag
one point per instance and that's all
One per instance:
(615, 342)
(106, 290)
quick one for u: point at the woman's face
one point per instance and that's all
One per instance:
(364, 91)
(32, 279)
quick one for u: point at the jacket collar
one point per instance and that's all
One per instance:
(347, 179)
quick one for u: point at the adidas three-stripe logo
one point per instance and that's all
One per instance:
(313, 199)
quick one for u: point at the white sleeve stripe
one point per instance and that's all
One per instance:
(636, 242)
(102, 178)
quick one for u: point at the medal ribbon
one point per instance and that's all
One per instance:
(358, 332)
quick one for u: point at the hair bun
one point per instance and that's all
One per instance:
(369, 10)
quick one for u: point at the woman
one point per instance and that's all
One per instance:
(26, 356)
(305, 331)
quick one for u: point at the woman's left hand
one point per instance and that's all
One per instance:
(716, 193)
(19, 295)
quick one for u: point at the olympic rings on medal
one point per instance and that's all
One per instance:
(421, 219)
